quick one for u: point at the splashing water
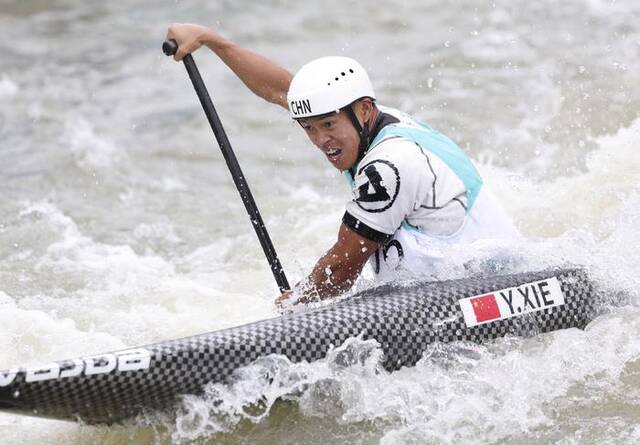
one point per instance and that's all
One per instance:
(120, 226)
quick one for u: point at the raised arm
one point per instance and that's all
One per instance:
(262, 76)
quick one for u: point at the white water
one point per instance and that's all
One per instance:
(119, 224)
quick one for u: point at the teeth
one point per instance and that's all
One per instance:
(332, 151)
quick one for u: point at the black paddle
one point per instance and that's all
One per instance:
(170, 47)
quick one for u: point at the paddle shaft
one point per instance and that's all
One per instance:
(170, 47)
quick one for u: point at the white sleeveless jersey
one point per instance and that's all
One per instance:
(417, 193)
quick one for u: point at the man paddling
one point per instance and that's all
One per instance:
(415, 192)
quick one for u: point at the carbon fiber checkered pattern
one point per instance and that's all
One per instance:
(404, 320)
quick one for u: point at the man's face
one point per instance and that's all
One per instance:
(336, 136)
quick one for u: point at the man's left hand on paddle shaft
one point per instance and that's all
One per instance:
(283, 298)
(336, 271)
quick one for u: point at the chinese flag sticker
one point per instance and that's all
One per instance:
(485, 308)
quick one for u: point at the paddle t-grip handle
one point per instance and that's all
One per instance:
(170, 47)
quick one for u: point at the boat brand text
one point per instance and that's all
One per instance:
(129, 360)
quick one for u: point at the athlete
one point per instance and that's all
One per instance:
(415, 192)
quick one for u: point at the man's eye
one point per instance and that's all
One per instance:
(328, 124)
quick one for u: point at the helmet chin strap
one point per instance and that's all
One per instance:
(363, 132)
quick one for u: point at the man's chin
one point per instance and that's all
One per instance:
(341, 167)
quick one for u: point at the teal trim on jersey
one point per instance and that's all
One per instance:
(410, 227)
(430, 140)
(350, 180)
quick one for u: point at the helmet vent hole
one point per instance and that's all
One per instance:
(337, 78)
(343, 74)
(350, 70)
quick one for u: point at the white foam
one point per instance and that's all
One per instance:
(456, 393)
(258, 386)
(586, 200)
(8, 88)
(35, 337)
(173, 185)
(139, 298)
(91, 150)
(161, 230)
(517, 81)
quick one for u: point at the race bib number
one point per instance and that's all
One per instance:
(512, 302)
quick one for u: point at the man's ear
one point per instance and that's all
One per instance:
(365, 108)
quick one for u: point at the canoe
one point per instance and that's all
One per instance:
(403, 319)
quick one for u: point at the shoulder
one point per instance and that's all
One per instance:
(391, 169)
(397, 132)
(398, 151)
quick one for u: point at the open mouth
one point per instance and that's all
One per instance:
(333, 153)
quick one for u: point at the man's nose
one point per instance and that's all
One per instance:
(322, 138)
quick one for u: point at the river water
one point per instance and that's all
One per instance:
(120, 226)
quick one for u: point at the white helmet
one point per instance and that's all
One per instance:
(327, 84)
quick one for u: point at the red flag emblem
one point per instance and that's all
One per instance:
(486, 308)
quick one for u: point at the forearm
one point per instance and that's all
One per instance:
(338, 269)
(331, 276)
(262, 76)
